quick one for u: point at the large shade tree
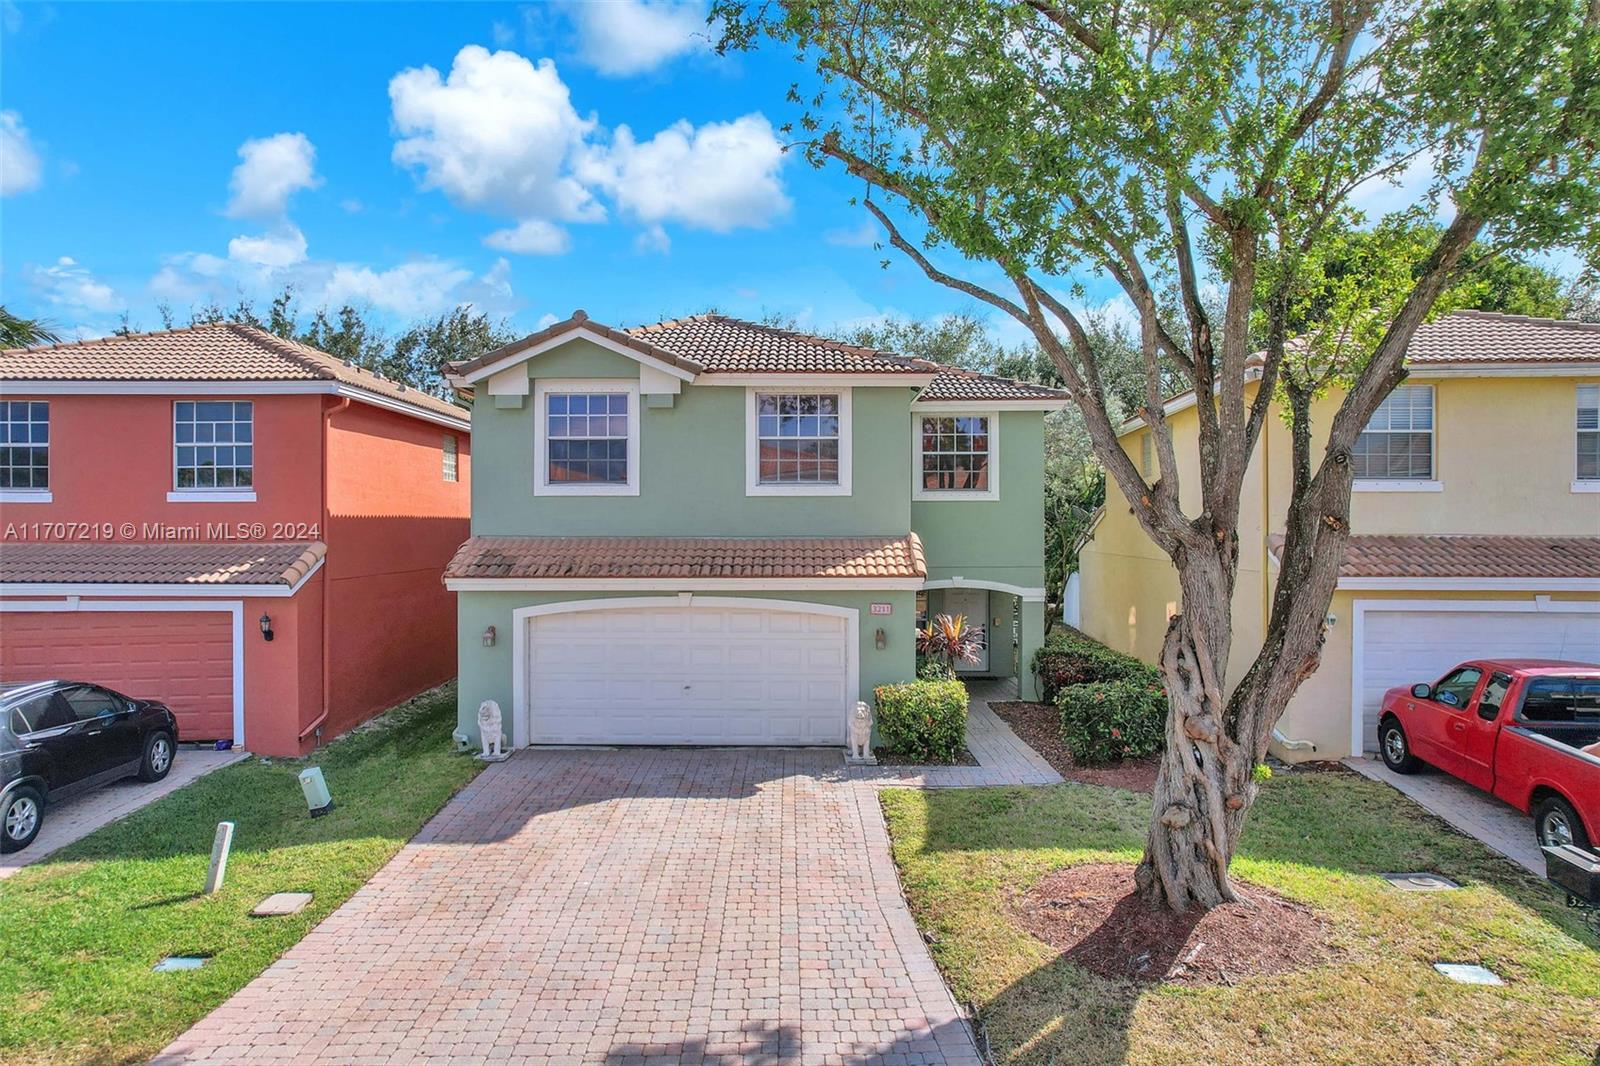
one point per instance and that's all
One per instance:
(1210, 157)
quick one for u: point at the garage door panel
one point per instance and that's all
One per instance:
(704, 675)
(183, 658)
(1404, 647)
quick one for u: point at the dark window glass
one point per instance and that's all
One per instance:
(586, 436)
(1494, 694)
(1457, 687)
(955, 453)
(205, 436)
(32, 714)
(24, 445)
(88, 703)
(797, 438)
(1398, 442)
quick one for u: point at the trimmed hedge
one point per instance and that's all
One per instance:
(923, 720)
(1072, 658)
(1104, 721)
(1112, 705)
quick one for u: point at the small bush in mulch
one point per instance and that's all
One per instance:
(923, 721)
(1070, 657)
(1091, 914)
(1038, 725)
(1104, 721)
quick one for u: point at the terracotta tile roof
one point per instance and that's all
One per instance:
(1489, 337)
(1430, 556)
(688, 557)
(718, 344)
(159, 564)
(970, 385)
(222, 351)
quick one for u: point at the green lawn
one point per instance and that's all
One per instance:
(1319, 838)
(80, 931)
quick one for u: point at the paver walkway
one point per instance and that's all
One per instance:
(632, 906)
(76, 818)
(1003, 759)
(1469, 810)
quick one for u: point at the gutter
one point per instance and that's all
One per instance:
(327, 427)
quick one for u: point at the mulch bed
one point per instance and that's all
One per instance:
(1091, 914)
(1039, 726)
(885, 758)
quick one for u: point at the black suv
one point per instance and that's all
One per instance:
(61, 738)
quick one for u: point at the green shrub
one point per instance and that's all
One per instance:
(1103, 721)
(1072, 658)
(929, 669)
(923, 720)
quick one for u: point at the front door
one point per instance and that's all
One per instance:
(974, 605)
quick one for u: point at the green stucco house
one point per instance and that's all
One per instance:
(708, 531)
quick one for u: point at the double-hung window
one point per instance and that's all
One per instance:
(1588, 439)
(213, 449)
(586, 438)
(1395, 451)
(24, 450)
(798, 443)
(956, 457)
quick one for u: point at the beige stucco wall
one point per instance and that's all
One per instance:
(1504, 453)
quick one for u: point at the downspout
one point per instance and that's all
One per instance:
(327, 425)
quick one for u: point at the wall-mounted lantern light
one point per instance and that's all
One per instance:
(880, 640)
(488, 637)
(266, 627)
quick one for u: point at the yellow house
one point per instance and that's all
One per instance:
(1475, 527)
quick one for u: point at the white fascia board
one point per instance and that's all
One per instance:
(583, 332)
(228, 388)
(1507, 369)
(1030, 595)
(95, 588)
(1473, 584)
(814, 381)
(1182, 402)
(681, 584)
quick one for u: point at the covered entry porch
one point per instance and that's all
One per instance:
(1011, 616)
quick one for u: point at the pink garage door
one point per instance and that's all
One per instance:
(183, 658)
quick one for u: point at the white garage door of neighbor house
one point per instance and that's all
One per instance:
(688, 675)
(1404, 647)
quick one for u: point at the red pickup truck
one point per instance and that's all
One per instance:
(1514, 727)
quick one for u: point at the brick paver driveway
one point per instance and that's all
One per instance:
(654, 905)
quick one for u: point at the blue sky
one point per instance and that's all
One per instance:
(530, 160)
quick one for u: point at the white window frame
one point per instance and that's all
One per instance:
(31, 494)
(204, 494)
(1583, 484)
(753, 485)
(450, 458)
(542, 485)
(920, 492)
(1430, 483)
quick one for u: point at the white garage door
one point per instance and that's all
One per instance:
(1404, 647)
(701, 674)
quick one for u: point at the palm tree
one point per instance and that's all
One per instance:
(24, 332)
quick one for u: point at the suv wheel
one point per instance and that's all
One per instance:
(21, 816)
(158, 753)
(1556, 824)
(1395, 747)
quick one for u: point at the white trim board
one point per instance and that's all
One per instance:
(682, 584)
(1358, 628)
(236, 608)
(230, 388)
(521, 720)
(1022, 592)
(533, 351)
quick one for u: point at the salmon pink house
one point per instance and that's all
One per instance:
(242, 526)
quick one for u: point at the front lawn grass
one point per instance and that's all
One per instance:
(1322, 838)
(80, 931)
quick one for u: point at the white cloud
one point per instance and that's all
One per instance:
(497, 134)
(271, 170)
(652, 239)
(505, 34)
(863, 235)
(66, 283)
(20, 170)
(283, 246)
(412, 289)
(720, 176)
(533, 236)
(1378, 196)
(624, 37)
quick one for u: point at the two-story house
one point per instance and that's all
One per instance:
(709, 531)
(242, 526)
(1475, 521)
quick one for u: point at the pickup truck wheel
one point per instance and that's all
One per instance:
(1556, 824)
(1395, 747)
(21, 816)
